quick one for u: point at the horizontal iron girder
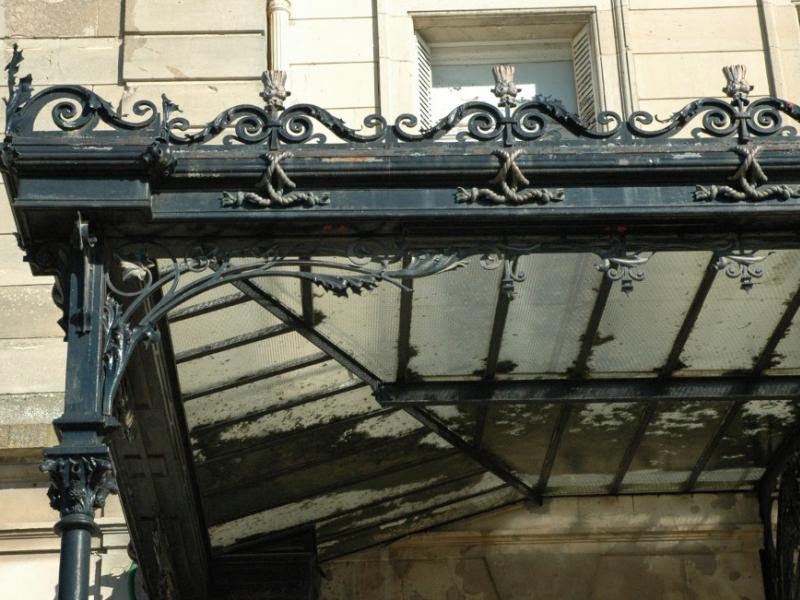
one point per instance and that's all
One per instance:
(597, 390)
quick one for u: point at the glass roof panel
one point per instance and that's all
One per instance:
(296, 418)
(231, 365)
(364, 325)
(787, 352)
(592, 447)
(518, 434)
(655, 308)
(672, 444)
(451, 323)
(734, 325)
(218, 325)
(549, 314)
(750, 440)
(271, 393)
(460, 419)
(284, 289)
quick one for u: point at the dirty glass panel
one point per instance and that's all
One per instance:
(592, 446)
(269, 393)
(751, 439)
(518, 434)
(734, 325)
(672, 444)
(549, 314)
(231, 365)
(219, 325)
(787, 353)
(258, 426)
(364, 325)
(460, 419)
(451, 323)
(637, 329)
(284, 289)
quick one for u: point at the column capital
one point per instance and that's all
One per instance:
(276, 5)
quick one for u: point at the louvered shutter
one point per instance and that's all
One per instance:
(424, 83)
(583, 66)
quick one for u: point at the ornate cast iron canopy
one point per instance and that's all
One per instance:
(309, 339)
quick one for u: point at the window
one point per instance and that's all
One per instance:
(451, 71)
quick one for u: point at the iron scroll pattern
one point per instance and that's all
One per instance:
(780, 556)
(141, 293)
(78, 109)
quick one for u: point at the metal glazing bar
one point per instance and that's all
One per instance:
(292, 365)
(307, 297)
(480, 424)
(203, 308)
(490, 463)
(230, 343)
(673, 359)
(504, 297)
(633, 447)
(356, 480)
(766, 357)
(300, 400)
(263, 443)
(471, 514)
(552, 447)
(399, 499)
(784, 387)
(761, 363)
(588, 338)
(404, 326)
(730, 414)
(276, 308)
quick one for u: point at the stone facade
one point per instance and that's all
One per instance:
(356, 57)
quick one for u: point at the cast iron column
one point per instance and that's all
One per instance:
(80, 467)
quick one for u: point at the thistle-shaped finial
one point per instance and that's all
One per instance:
(504, 86)
(274, 89)
(737, 87)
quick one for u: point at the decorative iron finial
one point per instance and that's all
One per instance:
(504, 86)
(737, 87)
(274, 89)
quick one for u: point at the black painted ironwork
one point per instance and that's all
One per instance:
(779, 499)
(117, 283)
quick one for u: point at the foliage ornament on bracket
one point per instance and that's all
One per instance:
(79, 484)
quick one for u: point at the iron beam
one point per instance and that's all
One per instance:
(487, 461)
(593, 390)
(580, 365)
(672, 363)
(276, 308)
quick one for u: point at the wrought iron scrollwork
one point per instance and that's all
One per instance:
(509, 179)
(276, 189)
(781, 553)
(749, 179)
(542, 117)
(740, 116)
(76, 108)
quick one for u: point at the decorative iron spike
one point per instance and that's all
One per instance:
(504, 86)
(275, 91)
(737, 87)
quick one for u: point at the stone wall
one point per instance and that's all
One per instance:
(356, 57)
